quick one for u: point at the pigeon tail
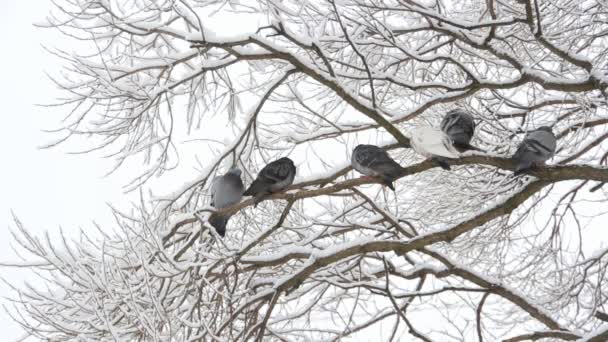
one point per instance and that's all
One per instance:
(219, 222)
(255, 188)
(397, 172)
(259, 198)
(442, 163)
(388, 182)
(522, 167)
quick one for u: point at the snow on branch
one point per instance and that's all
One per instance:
(470, 254)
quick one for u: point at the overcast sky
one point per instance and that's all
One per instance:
(47, 189)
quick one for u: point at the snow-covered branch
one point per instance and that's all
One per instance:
(488, 256)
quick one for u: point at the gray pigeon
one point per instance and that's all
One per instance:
(226, 191)
(460, 127)
(373, 161)
(537, 147)
(274, 177)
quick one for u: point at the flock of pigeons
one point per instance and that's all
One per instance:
(452, 138)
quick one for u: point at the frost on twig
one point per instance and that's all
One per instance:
(473, 254)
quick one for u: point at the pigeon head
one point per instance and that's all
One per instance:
(459, 114)
(360, 146)
(285, 160)
(545, 128)
(456, 112)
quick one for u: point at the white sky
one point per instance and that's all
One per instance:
(47, 189)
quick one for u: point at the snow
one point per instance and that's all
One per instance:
(301, 38)
(306, 237)
(315, 176)
(544, 78)
(296, 250)
(589, 336)
(341, 247)
(213, 163)
(278, 255)
(282, 280)
(216, 37)
(177, 218)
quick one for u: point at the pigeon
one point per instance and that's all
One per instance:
(459, 127)
(435, 144)
(537, 147)
(373, 161)
(226, 190)
(274, 177)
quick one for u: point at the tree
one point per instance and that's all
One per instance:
(471, 254)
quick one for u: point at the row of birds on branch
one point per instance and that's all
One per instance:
(448, 142)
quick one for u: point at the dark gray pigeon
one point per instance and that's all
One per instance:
(460, 127)
(373, 161)
(274, 177)
(226, 191)
(537, 147)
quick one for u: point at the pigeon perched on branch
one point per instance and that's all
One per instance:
(373, 161)
(435, 144)
(226, 191)
(537, 147)
(274, 177)
(459, 126)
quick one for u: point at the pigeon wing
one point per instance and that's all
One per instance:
(430, 142)
(214, 189)
(385, 165)
(365, 154)
(537, 145)
(275, 172)
(544, 143)
(459, 126)
(226, 191)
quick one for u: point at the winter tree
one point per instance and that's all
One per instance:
(472, 254)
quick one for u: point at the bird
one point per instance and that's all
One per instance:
(226, 191)
(537, 147)
(274, 177)
(459, 127)
(435, 144)
(373, 161)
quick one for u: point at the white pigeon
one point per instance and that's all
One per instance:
(433, 143)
